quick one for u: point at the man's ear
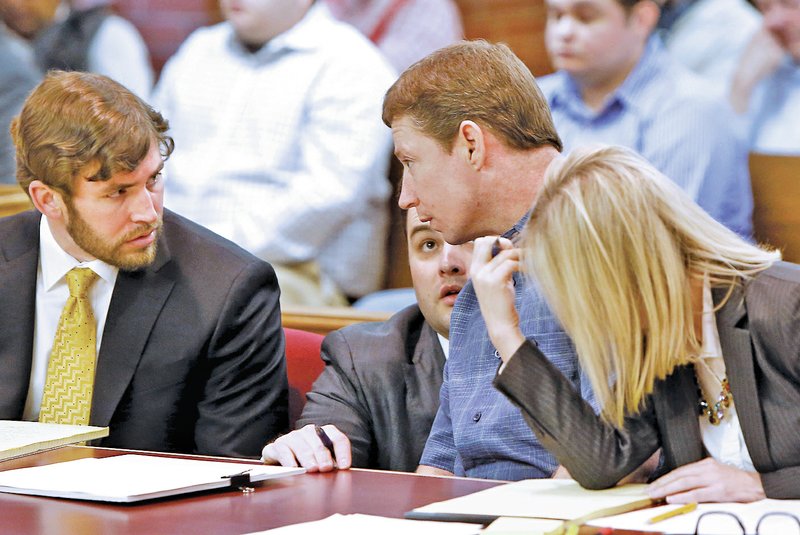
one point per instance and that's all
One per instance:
(473, 144)
(47, 200)
(644, 17)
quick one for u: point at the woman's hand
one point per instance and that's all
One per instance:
(494, 286)
(708, 481)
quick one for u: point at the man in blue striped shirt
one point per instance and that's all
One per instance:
(615, 84)
(474, 135)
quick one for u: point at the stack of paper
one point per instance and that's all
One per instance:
(132, 478)
(22, 438)
(558, 499)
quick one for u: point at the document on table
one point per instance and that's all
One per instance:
(358, 524)
(557, 499)
(132, 478)
(721, 524)
(22, 438)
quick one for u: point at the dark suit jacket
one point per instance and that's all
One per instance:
(192, 357)
(759, 330)
(380, 387)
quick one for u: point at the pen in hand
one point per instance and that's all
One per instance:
(326, 441)
(496, 247)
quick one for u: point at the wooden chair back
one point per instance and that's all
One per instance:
(776, 202)
(13, 200)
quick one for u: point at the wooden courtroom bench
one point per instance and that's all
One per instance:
(776, 202)
(13, 200)
(323, 320)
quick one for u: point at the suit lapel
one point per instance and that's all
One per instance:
(737, 351)
(19, 261)
(680, 406)
(135, 305)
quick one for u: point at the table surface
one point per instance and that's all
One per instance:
(275, 503)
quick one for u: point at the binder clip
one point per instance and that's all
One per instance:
(241, 481)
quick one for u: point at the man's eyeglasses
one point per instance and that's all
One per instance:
(725, 523)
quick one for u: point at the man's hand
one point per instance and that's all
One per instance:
(304, 448)
(761, 57)
(491, 276)
(708, 481)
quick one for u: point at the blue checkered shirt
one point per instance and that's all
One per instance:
(477, 431)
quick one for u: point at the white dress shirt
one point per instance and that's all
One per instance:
(283, 151)
(445, 343)
(51, 296)
(723, 442)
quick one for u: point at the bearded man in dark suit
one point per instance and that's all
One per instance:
(186, 350)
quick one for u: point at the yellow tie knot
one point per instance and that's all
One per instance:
(80, 280)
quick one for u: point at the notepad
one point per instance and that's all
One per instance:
(133, 478)
(23, 438)
(556, 499)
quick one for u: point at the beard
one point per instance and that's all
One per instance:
(111, 252)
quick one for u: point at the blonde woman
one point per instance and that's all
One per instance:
(690, 335)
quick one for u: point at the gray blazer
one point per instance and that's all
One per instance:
(192, 357)
(380, 387)
(759, 330)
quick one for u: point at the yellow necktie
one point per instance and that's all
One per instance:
(67, 397)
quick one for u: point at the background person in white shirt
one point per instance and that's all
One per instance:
(766, 85)
(277, 115)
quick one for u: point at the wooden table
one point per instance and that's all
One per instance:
(276, 503)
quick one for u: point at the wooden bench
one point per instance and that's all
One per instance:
(776, 199)
(13, 200)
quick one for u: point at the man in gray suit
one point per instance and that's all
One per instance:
(379, 392)
(180, 345)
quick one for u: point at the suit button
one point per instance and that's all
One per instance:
(477, 417)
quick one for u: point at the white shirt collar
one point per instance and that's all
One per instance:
(445, 343)
(55, 262)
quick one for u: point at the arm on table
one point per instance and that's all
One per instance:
(244, 403)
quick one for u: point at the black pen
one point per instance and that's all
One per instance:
(496, 247)
(326, 441)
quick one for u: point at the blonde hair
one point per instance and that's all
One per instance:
(614, 245)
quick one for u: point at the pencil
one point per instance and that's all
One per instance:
(682, 510)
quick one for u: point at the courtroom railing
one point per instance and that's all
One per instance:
(13, 200)
(323, 320)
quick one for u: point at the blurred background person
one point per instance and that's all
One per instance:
(18, 76)
(766, 87)
(708, 36)
(87, 36)
(404, 30)
(616, 84)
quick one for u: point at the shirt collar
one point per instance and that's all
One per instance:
(566, 92)
(55, 262)
(304, 35)
(445, 343)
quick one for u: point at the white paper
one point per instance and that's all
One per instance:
(126, 478)
(371, 525)
(749, 513)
